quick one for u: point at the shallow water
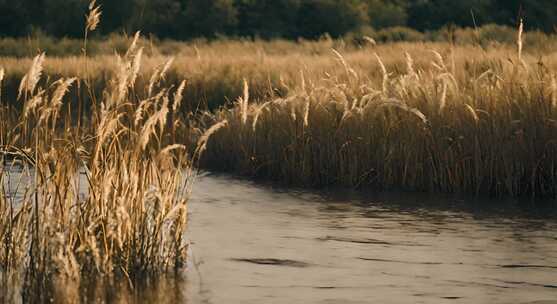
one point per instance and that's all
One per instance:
(256, 244)
(253, 243)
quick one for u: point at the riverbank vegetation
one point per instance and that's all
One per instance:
(98, 149)
(413, 117)
(100, 195)
(428, 116)
(489, 131)
(215, 70)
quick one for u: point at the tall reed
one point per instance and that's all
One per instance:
(106, 197)
(485, 127)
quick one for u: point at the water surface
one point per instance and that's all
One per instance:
(256, 244)
(253, 243)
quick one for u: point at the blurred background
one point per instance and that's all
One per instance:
(291, 19)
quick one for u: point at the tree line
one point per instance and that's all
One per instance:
(291, 19)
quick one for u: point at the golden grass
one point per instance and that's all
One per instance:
(106, 197)
(215, 72)
(439, 119)
(320, 95)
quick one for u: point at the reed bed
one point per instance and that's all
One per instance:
(453, 120)
(215, 72)
(100, 194)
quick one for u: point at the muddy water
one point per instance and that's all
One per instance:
(256, 244)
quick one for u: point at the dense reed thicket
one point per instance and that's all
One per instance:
(103, 193)
(456, 120)
(436, 116)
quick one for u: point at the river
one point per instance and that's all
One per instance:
(257, 243)
(261, 244)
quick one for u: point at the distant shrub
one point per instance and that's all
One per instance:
(383, 14)
(10, 47)
(398, 33)
(360, 36)
(498, 33)
(491, 34)
(31, 46)
(540, 41)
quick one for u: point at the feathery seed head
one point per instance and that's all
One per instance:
(31, 79)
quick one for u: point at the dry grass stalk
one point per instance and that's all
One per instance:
(385, 73)
(258, 112)
(2, 72)
(126, 216)
(31, 79)
(519, 40)
(94, 17)
(244, 103)
(202, 143)
(178, 96)
(553, 91)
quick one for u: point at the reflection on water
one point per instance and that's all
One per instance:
(258, 244)
(255, 244)
(110, 291)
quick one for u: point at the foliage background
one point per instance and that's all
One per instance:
(291, 19)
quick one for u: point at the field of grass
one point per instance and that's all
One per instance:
(486, 36)
(215, 72)
(426, 116)
(215, 69)
(482, 128)
(421, 117)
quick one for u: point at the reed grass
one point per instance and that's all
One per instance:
(103, 194)
(454, 120)
(215, 72)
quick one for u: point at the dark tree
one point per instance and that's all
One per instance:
(434, 14)
(65, 17)
(158, 17)
(14, 18)
(207, 18)
(185, 19)
(335, 17)
(268, 18)
(387, 13)
(537, 14)
(116, 14)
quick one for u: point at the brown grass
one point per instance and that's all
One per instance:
(106, 197)
(459, 120)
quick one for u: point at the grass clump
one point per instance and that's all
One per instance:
(102, 193)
